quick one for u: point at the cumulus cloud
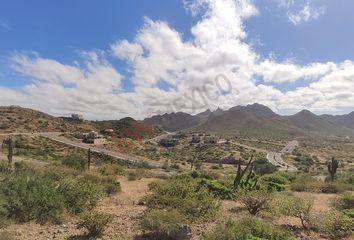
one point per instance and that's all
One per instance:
(272, 71)
(216, 67)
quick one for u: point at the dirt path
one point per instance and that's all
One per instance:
(123, 206)
(125, 209)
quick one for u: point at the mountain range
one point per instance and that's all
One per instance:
(257, 120)
(252, 120)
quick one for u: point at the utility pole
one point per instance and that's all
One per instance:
(10, 150)
(88, 158)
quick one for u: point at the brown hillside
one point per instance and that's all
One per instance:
(24, 120)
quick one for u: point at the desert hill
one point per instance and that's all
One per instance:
(312, 123)
(346, 120)
(129, 128)
(22, 120)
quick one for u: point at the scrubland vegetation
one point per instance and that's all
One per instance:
(187, 198)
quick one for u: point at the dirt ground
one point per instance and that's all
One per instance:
(123, 206)
(126, 211)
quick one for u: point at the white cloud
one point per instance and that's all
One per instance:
(272, 71)
(306, 14)
(215, 67)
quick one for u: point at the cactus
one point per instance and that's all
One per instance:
(332, 168)
(88, 158)
(240, 173)
(251, 181)
(10, 150)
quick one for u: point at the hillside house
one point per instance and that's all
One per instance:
(77, 117)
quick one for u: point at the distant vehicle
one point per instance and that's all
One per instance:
(168, 142)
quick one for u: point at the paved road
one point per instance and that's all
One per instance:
(117, 155)
(277, 160)
(157, 139)
(290, 147)
(55, 136)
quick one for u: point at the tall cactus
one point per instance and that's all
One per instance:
(10, 150)
(332, 168)
(240, 173)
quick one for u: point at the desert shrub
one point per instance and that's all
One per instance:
(6, 236)
(273, 182)
(306, 183)
(184, 195)
(80, 196)
(304, 162)
(75, 161)
(334, 225)
(162, 221)
(294, 206)
(136, 174)
(5, 168)
(31, 196)
(347, 178)
(4, 220)
(332, 187)
(112, 169)
(19, 143)
(248, 228)
(212, 175)
(218, 189)
(263, 166)
(95, 223)
(110, 184)
(195, 174)
(255, 201)
(344, 202)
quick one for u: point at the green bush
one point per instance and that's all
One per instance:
(112, 169)
(273, 182)
(5, 168)
(218, 189)
(294, 206)
(95, 223)
(306, 183)
(248, 228)
(31, 196)
(75, 161)
(162, 221)
(334, 225)
(80, 196)
(110, 184)
(345, 203)
(184, 195)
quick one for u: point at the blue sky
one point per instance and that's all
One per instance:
(284, 51)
